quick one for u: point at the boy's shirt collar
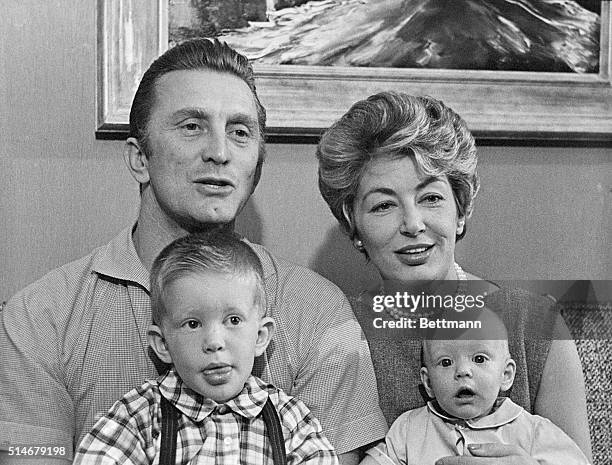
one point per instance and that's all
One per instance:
(505, 412)
(248, 403)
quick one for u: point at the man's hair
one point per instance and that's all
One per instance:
(218, 251)
(193, 55)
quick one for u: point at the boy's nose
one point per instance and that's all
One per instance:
(213, 341)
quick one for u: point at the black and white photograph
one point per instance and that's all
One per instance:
(306, 231)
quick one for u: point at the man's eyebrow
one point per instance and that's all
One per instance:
(190, 112)
(201, 113)
(243, 118)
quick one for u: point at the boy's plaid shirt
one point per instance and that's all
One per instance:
(228, 433)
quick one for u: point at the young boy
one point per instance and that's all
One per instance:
(464, 377)
(209, 323)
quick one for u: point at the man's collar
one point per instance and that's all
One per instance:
(505, 412)
(119, 260)
(248, 403)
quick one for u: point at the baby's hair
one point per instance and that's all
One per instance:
(493, 328)
(219, 251)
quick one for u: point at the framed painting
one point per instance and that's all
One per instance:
(518, 71)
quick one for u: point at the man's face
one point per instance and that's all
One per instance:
(202, 148)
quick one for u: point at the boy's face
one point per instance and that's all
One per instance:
(466, 376)
(212, 330)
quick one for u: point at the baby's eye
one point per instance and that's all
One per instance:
(192, 324)
(480, 359)
(446, 362)
(235, 320)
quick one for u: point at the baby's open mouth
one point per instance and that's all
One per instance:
(464, 393)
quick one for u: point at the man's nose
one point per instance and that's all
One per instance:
(213, 339)
(215, 149)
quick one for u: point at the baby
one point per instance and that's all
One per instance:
(464, 377)
(209, 324)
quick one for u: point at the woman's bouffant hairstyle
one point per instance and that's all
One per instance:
(393, 124)
(219, 251)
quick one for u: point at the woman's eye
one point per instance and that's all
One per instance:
(446, 362)
(382, 207)
(432, 198)
(480, 359)
(192, 324)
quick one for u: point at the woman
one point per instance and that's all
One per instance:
(399, 174)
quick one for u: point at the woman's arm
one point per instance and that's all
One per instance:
(561, 396)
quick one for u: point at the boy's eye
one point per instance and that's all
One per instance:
(446, 362)
(193, 324)
(480, 359)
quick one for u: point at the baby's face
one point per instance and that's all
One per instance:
(212, 331)
(466, 376)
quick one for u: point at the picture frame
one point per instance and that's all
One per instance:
(500, 107)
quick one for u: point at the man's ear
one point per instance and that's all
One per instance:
(158, 343)
(264, 335)
(508, 375)
(425, 381)
(136, 160)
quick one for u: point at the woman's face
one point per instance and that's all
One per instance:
(406, 221)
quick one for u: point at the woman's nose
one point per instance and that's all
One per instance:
(412, 222)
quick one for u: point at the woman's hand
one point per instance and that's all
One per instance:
(491, 454)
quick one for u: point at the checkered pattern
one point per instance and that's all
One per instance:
(74, 342)
(233, 432)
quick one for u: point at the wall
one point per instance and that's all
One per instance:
(542, 212)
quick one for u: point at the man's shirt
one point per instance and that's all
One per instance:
(75, 341)
(228, 433)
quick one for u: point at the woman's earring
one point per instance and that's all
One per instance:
(460, 227)
(358, 245)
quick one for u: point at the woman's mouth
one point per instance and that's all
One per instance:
(414, 255)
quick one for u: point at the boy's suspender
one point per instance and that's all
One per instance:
(169, 433)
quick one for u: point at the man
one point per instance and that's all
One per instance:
(75, 341)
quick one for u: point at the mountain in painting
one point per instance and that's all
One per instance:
(527, 35)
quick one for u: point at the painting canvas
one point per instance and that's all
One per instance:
(518, 71)
(525, 35)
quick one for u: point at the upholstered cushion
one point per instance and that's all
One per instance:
(591, 326)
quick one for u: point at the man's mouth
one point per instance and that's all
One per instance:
(215, 182)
